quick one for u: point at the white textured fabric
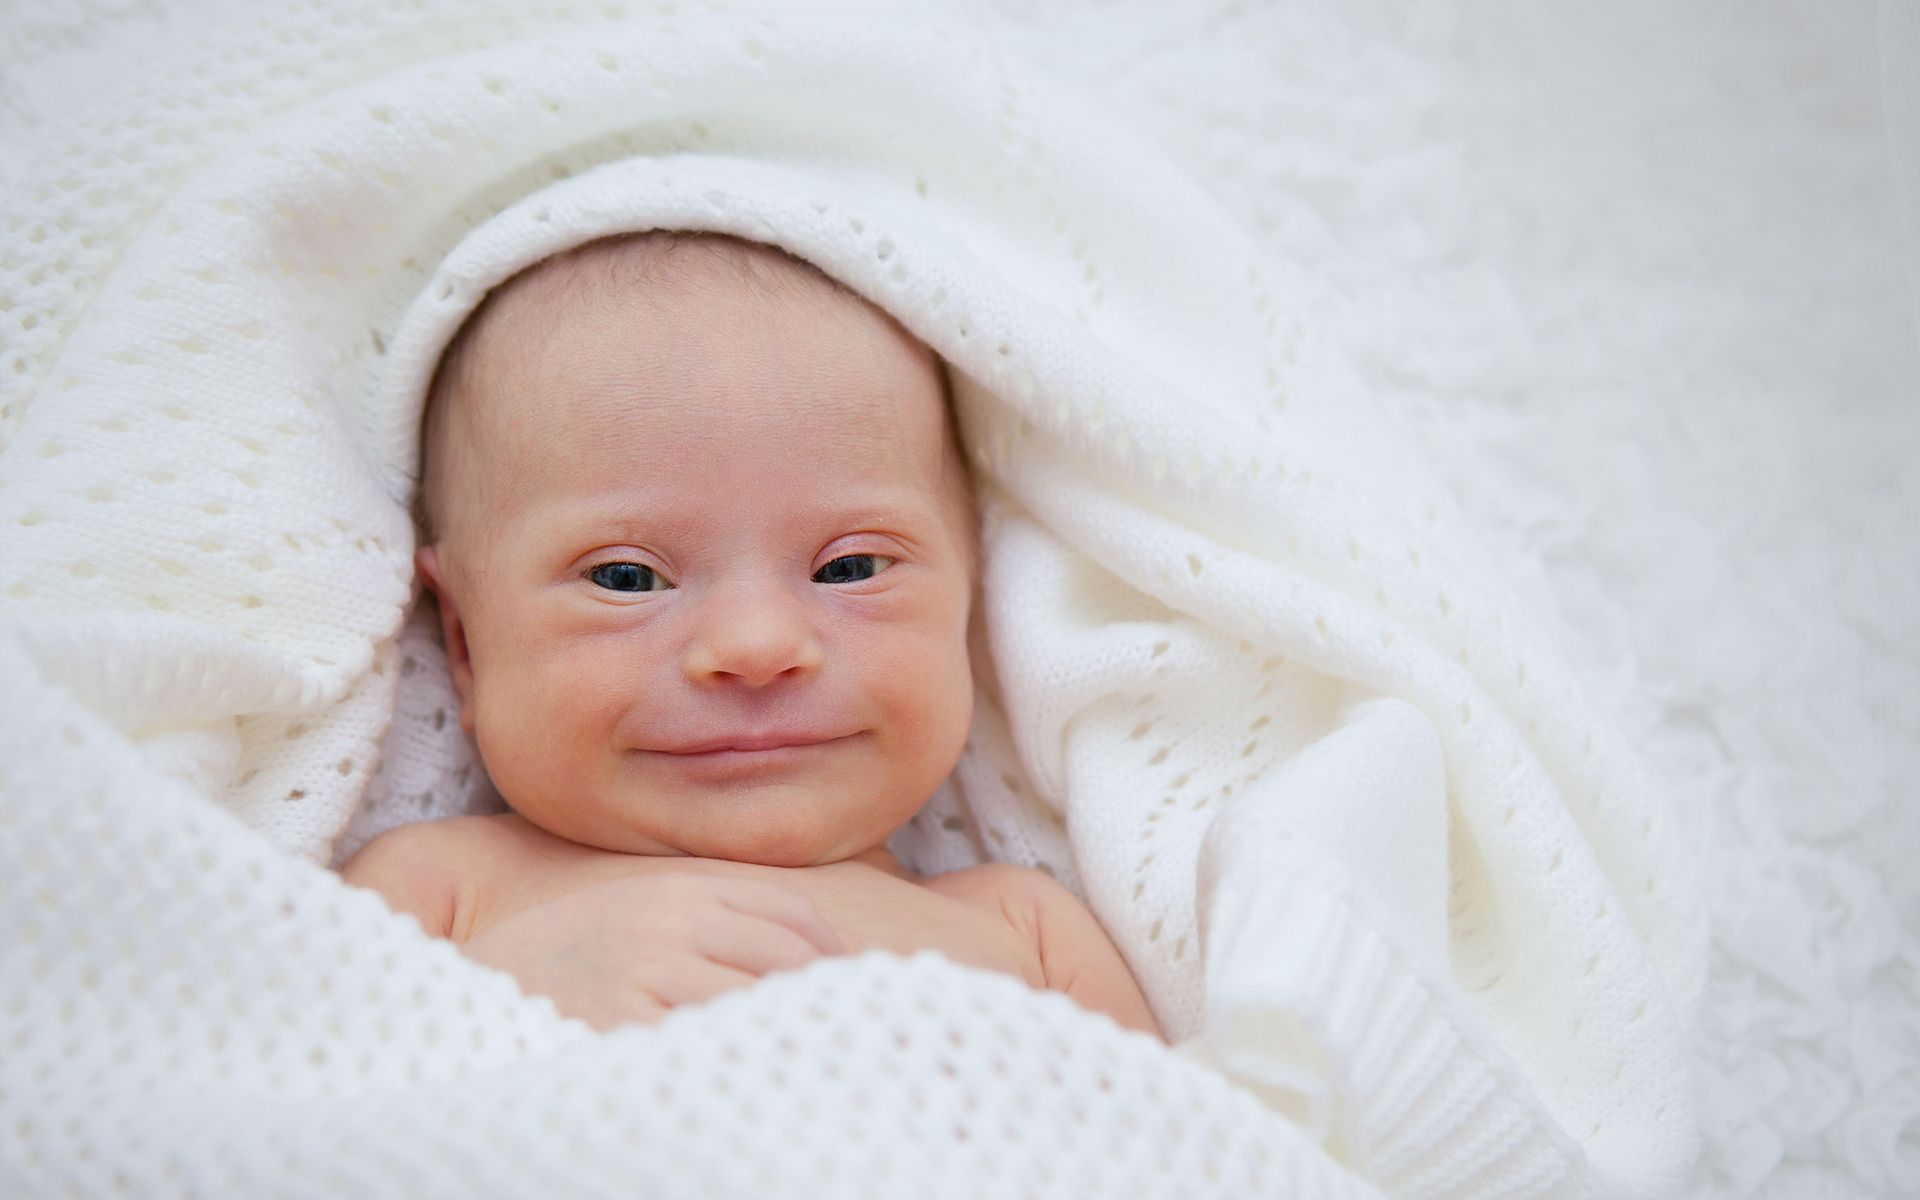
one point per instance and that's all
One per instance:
(1254, 692)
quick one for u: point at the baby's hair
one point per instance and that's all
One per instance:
(625, 264)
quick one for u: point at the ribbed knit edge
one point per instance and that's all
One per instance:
(1429, 1106)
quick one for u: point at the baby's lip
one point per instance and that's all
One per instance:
(748, 742)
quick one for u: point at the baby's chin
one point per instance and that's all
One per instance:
(767, 826)
(780, 831)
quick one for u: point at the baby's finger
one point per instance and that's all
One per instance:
(755, 944)
(782, 907)
(689, 979)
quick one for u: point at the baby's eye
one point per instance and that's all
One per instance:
(852, 568)
(628, 577)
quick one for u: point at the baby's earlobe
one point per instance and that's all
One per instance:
(459, 662)
(453, 633)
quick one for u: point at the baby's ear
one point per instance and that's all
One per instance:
(427, 560)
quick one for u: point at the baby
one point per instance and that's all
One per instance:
(704, 551)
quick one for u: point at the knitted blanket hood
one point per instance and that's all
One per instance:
(1414, 922)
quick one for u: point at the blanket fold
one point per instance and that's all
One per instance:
(1418, 923)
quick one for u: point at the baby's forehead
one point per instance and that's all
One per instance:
(634, 282)
(670, 306)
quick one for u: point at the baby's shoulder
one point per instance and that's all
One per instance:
(422, 843)
(1076, 955)
(420, 867)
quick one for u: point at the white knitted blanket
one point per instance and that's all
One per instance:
(1408, 908)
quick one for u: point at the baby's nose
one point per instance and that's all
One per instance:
(752, 636)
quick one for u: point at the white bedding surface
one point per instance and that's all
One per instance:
(1638, 282)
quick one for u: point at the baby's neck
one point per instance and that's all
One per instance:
(880, 858)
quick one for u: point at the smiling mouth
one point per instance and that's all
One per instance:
(749, 758)
(752, 744)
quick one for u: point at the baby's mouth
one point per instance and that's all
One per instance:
(749, 756)
(756, 742)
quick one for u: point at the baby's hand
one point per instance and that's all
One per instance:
(630, 949)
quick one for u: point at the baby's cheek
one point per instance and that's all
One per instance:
(584, 687)
(933, 686)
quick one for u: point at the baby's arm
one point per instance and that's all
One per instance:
(1076, 955)
(411, 869)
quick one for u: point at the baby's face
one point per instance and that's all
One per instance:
(707, 568)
